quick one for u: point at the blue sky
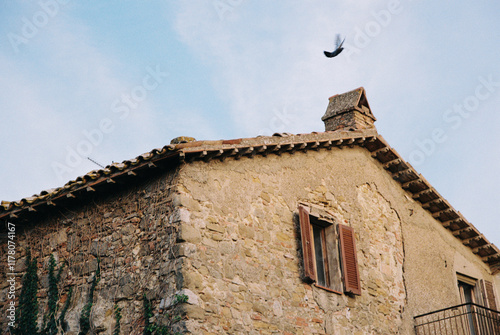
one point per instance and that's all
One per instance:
(111, 80)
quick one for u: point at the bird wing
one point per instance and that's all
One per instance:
(340, 46)
(337, 41)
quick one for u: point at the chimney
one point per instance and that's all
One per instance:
(349, 111)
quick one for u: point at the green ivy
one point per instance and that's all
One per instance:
(118, 317)
(154, 328)
(61, 321)
(148, 314)
(28, 300)
(27, 312)
(50, 327)
(85, 315)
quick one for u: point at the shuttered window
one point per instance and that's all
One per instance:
(483, 292)
(325, 246)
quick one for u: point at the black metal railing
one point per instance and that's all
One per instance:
(465, 319)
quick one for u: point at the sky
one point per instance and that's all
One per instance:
(108, 81)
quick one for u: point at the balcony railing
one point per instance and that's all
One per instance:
(465, 319)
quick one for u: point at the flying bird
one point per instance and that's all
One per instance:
(338, 48)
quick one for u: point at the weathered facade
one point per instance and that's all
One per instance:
(226, 223)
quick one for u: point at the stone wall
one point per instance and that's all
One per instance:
(244, 262)
(132, 233)
(243, 254)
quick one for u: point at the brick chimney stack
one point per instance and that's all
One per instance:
(349, 111)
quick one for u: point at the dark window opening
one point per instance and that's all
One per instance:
(321, 257)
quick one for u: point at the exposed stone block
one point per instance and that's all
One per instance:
(216, 227)
(194, 312)
(99, 249)
(188, 233)
(246, 231)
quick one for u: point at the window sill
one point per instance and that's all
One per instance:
(327, 289)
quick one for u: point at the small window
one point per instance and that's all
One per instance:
(476, 291)
(329, 252)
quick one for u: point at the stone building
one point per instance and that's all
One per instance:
(322, 233)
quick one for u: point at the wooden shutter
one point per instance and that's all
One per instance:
(488, 294)
(307, 245)
(349, 260)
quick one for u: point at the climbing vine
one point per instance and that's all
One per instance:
(28, 300)
(50, 324)
(85, 315)
(118, 316)
(27, 312)
(61, 321)
(172, 318)
(58, 298)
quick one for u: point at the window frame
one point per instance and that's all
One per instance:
(338, 251)
(483, 291)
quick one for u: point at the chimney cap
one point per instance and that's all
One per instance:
(349, 101)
